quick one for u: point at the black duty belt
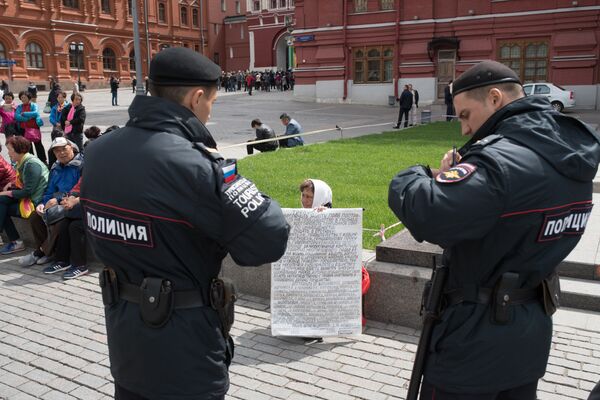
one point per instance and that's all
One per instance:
(181, 298)
(485, 295)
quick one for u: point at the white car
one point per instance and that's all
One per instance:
(559, 97)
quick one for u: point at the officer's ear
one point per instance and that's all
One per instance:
(496, 98)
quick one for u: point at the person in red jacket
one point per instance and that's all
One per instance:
(7, 173)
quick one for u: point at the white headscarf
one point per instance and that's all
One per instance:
(323, 194)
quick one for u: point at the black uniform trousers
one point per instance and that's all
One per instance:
(525, 392)
(403, 112)
(123, 394)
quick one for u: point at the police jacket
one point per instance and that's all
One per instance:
(154, 206)
(518, 201)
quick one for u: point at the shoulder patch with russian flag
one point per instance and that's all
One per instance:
(229, 171)
(457, 173)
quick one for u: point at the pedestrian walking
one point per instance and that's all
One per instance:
(133, 84)
(506, 208)
(163, 237)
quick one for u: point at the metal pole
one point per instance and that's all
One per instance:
(202, 27)
(139, 89)
(147, 36)
(79, 51)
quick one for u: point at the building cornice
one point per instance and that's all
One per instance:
(450, 20)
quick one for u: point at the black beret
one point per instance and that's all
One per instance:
(483, 74)
(180, 66)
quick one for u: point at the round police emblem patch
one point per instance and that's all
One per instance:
(456, 174)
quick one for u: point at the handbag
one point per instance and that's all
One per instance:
(26, 208)
(47, 108)
(54, 214)
(33, 134)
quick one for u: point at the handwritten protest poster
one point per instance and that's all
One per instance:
(316, 285)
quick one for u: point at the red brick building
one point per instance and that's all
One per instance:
(93, 39)
(362, 51)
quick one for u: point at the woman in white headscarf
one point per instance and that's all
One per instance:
(315, 193)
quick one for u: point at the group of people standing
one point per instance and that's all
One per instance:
(67, 118)
(254, 80)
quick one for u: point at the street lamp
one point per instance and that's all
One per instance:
(78, 49)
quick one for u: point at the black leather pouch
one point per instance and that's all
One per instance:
(551, 293)
(156, 301)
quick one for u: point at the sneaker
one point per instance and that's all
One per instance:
(56, 267)
(75, 272)
(28, 260)
(12, 247)
(43, 260)
(396, 127)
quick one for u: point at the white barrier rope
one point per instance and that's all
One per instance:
(285, 137)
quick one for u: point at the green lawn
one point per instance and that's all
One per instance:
(358, 170)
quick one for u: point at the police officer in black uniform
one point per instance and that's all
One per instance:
(162, 210)
(506, 215)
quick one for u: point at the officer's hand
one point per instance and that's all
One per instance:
(40, 209)
(51, 203)
(447, 161)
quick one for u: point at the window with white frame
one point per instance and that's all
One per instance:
(360, 5)
(34, 55)
(373, 64)
(387, 4)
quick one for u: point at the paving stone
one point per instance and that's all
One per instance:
(40, 376)
(56, 395)
(274, 390)
(85, 393)
(34, 388)
(362, 393)
(63, 385)
(90, 380)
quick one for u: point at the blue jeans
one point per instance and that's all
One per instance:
(9, 207)
(114, 98)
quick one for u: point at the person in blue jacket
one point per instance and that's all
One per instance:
(61, 98)
(292, 127)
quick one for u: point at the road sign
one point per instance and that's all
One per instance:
(7, 62)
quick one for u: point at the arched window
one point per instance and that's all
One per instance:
(195, 17)
(183, 14)
(76, 55)
(109, 60)
(35, 56)
(162, 16)
(132, 60)
(2, 52)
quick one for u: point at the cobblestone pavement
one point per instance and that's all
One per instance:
(53, 346)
